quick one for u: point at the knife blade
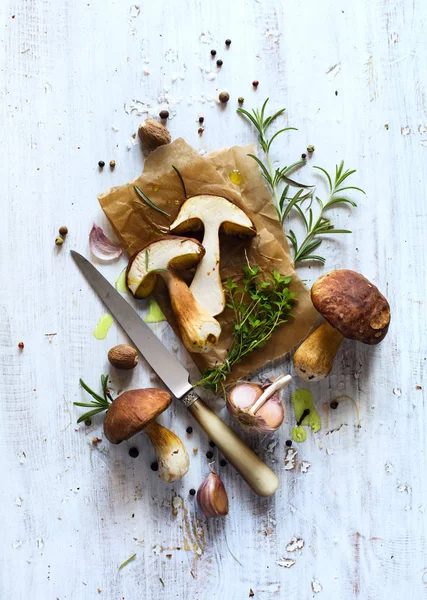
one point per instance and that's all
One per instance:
(256, 473)
(167, 367)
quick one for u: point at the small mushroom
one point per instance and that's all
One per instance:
(136, 410)
(164, 257)
(353, 308)
(214, 213)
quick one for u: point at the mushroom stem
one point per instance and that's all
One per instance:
(208, 275)
(314, 359)
(199, 330)
(172, 457)
(280, 383)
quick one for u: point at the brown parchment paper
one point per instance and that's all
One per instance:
(135, 224)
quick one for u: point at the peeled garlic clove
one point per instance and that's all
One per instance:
(212, 497)
(266, 419)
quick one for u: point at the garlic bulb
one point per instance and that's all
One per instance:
(258, 409)
(212, 497)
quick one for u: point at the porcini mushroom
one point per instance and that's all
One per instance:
(164, 257)
(214, 213)
(132, 411)
(136, 410)
(353, 308)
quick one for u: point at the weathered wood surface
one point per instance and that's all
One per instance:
(352, 76)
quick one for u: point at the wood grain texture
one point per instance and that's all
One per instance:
(352, 76)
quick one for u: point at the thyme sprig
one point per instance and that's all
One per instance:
(260, 306)
(100, 404)
(315, 227)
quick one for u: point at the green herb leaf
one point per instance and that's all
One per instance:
(286, 206)
(130, 559)
(181, 180)
(260, 305)
(149, 202)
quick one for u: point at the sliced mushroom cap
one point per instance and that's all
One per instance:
(215, 213)
(199, 330)
(353, 305)
(132, 411)
(353, 308)
(170, 252)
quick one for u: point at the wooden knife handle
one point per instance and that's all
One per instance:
(255, 472)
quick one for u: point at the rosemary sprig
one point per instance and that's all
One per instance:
(272, 176)
(100, 403)
(149, 202)
(181, 180)
(314, 228)
(260, 306)
(284, 204)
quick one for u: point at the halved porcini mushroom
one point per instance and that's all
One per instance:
(165, 257)
(214, 213)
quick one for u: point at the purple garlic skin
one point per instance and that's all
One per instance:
(212, 497)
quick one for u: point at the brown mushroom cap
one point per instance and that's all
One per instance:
(353, 305)
(132, 411)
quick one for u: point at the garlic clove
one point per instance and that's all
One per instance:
(212, 497)
(267, 418)
(172, 457)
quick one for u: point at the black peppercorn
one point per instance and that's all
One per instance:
(209, 454)
(201, 119)
(101, 164)
(88, 422)
(192, 492)
(303, 155)
(255, 83)
(189, 430)
(212, 444)
(288, 443)
(240, 99)
(164, 114)
(227, 42)
(213, 52)
(223, 463)
(334, 404)
(133, 452)
(219, 63)
(154, 466)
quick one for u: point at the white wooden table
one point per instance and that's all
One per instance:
(353, 78)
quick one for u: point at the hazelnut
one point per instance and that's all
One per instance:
(224, 97)
(123, 357)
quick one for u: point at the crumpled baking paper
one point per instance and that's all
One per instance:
(135, 224)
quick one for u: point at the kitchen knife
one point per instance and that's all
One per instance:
(256, 473)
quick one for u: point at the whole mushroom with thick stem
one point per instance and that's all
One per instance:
(353, 308)
(164, 257)
(136, 411)
(215, 213)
